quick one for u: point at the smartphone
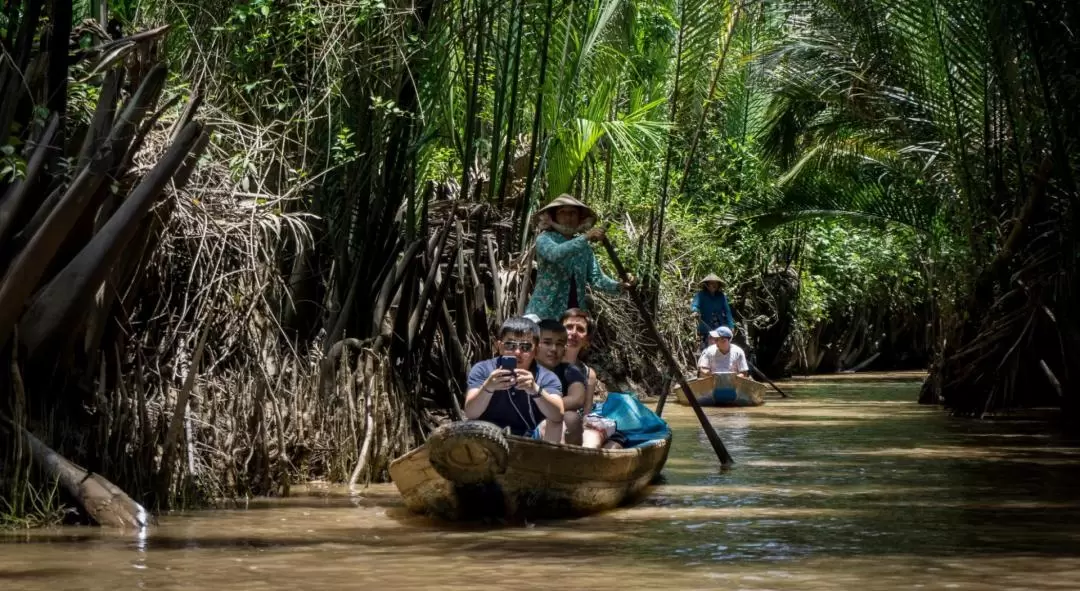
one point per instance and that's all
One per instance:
(508, 362)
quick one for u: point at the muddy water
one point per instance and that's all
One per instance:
(849, 485)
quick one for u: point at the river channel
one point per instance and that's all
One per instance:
(849, 484)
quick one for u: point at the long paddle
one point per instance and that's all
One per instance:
(762, 375)
(714, 439)
(663, 398)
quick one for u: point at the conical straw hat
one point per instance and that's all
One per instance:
(589, 218)
(711, 277)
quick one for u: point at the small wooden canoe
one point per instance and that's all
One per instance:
(534, 479)
(723, 389)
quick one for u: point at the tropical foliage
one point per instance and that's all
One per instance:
(950, 118)
(882, 183)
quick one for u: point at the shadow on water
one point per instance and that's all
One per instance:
(862, 476)
(41, 573)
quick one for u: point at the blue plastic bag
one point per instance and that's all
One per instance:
(633, 420)
(724, 395)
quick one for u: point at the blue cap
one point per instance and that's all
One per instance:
(722, 332)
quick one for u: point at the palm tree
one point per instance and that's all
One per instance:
(950, 118)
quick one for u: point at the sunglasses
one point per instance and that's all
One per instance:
(524, 347)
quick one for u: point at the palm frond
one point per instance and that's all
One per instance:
(702, 29)
(837, 196)
(627, 134)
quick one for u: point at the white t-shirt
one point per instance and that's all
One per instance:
(717, 362)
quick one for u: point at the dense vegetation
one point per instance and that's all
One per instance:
(882, 183)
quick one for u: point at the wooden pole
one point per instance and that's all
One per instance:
(663, 398)
(714, 439)
(766, 378)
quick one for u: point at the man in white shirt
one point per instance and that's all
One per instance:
(723, 356)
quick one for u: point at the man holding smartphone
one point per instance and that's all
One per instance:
(513, 390)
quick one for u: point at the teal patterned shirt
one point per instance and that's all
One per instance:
(559, 258)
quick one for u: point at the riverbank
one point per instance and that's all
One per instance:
(916, 375)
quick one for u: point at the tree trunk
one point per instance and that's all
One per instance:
(102, 500)
(69, 293)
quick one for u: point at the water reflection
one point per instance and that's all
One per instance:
(848, 485)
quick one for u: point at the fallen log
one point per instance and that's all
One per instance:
(102, 500)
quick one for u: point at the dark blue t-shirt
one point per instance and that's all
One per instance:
(568, 375)
(513, 408)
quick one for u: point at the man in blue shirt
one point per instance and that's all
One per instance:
(522, 399)
(710, 308)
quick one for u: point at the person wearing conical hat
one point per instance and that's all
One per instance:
(710, 308)
(565, 262)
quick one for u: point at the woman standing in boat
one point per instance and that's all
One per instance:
(565, 260)
(710, 308)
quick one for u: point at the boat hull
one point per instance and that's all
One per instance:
(542, 480)
(725, 389)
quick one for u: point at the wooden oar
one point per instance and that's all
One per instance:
(766, 378)
(762, 375)
(663, 398)
(710, 432)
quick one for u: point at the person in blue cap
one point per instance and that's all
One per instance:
(723, 356)
(710, 308)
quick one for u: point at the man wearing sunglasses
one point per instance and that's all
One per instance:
(520, 399)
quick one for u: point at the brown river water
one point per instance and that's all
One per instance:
(847, 485)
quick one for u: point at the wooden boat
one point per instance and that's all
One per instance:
(723, 389)
(499, 475)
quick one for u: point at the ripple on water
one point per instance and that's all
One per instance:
(849, 485)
